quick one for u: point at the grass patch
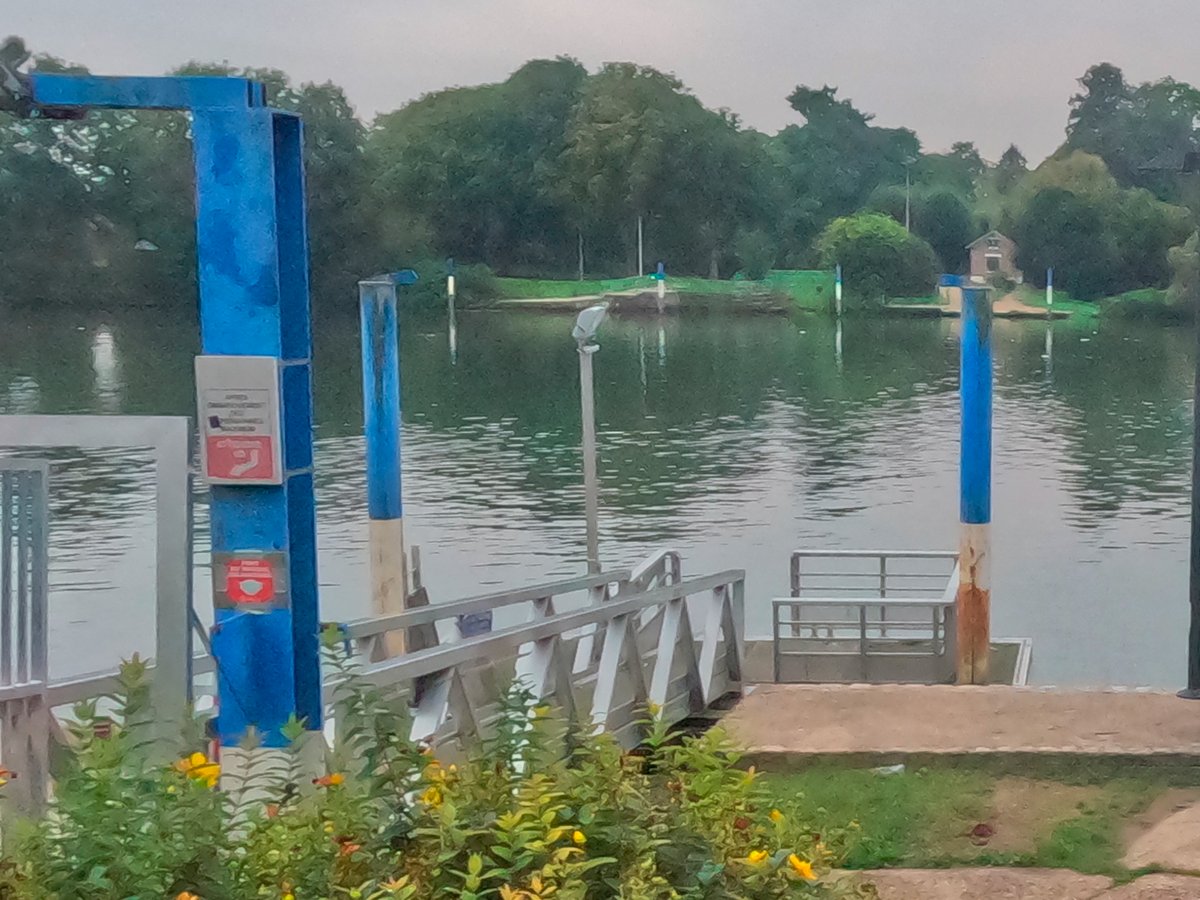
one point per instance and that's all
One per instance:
(811, 290)
(943, 816)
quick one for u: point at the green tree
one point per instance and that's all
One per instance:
(878, 257)
(477, 168)
(944, 220)
(1068, 231)
(1101, 117)
(1011, 169)
(833, 162)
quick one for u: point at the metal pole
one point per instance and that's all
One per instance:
(973, 603)
(591, 485)
(1049, 291)
(641, 261)
(837, 290)
(381, 413)
(1192, 691)
(907, 200)
(452, 318)
(581, 254)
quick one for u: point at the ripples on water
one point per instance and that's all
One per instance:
(735, 440)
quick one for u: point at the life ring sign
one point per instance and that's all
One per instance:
(240, 434)
(250, 581)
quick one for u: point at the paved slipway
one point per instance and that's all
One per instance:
(783, 725)
(1025, 884)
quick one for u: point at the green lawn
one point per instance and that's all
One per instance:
(805, 289)
(938, 817)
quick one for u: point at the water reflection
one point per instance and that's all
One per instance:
(748, 438)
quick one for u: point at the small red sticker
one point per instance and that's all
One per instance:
(249, 458)
(249, 581)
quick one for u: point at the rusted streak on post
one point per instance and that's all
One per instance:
(974, 607)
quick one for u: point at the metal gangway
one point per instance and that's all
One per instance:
(601, 648)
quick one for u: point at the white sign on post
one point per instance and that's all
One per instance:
(240, 433)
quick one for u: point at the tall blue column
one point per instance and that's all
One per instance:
(973, 602)
(252, 249)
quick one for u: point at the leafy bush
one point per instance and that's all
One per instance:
(755, 252)
(474, 285)
(544, 810)
(878, 257)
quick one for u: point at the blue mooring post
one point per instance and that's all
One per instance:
(973, 603)
(252, 250)
(381, 424)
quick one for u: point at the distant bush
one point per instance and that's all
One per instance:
(474, 285)
(756, 253)
(879, 258)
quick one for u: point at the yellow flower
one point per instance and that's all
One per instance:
(776, 816)
(200, 768)
(802, 867)
(432, 796)
(757, 856)
(187, 895)
(579, 837)
(6, 775)
(654, 709)
(331, 780)
(541, 712)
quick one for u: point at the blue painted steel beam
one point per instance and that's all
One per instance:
(252, 248)
(106, 92)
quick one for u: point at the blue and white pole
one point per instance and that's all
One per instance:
(452, 318)
(661, 277)
(837, 290)
(381, 425)
(973, 602)
(1049, 291)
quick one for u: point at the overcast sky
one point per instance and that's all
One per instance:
(992, 72)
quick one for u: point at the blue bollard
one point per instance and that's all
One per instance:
(381, 413)
(973, 602)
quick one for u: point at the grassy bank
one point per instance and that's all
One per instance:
(804, 289)
(933, 818)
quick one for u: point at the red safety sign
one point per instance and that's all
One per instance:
(249, 458)
(239, 417)
(249, 581)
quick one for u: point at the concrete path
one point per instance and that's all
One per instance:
(1173, 844)
(1024, 884)
(796, 721)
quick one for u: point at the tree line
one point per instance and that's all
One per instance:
(550, 172)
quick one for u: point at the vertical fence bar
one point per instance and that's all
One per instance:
(21, 513)
(39, 565)
(6, 561)
(973, 602)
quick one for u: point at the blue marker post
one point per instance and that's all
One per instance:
(973, 602)
(452, 317)
(837, 290)
(252, 249)
(381, 414)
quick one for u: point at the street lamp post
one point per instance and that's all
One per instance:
(584, 333)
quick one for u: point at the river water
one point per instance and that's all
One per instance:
(734, 440)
